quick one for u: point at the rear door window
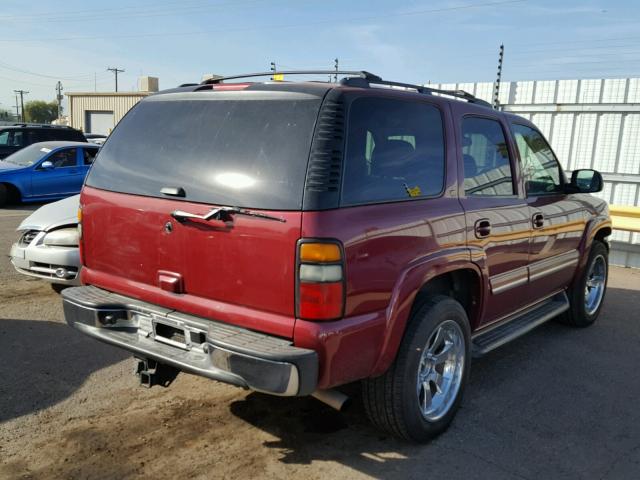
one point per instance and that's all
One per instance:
(485, 158)
(246, 149)
(395, 151)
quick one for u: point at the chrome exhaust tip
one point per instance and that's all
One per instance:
(333, 398)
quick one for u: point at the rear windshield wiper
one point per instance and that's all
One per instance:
(223, 213)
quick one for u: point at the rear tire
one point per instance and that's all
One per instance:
(586, 296)
(418, 396)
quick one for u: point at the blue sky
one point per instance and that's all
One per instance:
(408, 40)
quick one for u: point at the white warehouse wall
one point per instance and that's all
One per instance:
(592, 123)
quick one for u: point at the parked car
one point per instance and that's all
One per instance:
(20, 135)
(45, 171)
(292, 237)
(48, 244)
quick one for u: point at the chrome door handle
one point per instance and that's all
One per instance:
(537, 220)
(482, 228)
(211, 215)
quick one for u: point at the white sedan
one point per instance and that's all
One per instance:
(48, 244)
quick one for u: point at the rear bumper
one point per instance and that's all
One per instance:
(211, 349)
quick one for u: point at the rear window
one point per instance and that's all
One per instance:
(395, 151)
(246, 149)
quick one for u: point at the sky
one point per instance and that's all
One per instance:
(414, 41)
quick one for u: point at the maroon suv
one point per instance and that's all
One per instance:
(292, 237)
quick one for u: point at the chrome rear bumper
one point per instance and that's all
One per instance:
(204, 347)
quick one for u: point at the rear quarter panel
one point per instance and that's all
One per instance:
(391, 251)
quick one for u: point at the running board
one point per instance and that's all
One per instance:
(519, 324)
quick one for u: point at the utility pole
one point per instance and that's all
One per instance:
(273, 68)
(22, 93)
(496, 86)
(17, 109)
(335, 77)
(59, 97)
(115, 70)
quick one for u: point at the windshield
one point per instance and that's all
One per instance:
(28, 155)
(246, 149)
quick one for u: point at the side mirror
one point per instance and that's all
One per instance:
(46, 165)
(586, 181)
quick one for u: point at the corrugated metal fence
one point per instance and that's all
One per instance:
(591, 123)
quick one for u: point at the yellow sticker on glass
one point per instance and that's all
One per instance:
(413, 192)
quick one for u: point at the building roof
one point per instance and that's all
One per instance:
(108, 94)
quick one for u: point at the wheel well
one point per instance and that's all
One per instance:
(461, 285)
(602, 234)
(14, 194)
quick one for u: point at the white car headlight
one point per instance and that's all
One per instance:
(64, 237)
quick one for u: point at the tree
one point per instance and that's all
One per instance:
(39, 111)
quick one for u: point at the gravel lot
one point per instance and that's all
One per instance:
(557, 403)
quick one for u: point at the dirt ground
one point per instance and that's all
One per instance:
(557, 403)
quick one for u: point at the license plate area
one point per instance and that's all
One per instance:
(177, 334)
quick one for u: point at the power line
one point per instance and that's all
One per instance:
(145, 13)
(273, 27)
(92, 11)
(35, 74)
(115, 71)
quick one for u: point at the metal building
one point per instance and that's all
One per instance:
(591, 123)
(99, 112)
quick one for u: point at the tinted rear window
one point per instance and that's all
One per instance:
(247, 149)
(395, 151)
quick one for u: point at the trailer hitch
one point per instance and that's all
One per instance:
(151, 373)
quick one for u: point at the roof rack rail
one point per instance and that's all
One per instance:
(420, 89)
(357, 78)
(358, 73)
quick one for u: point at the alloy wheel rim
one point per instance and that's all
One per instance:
(595, 285)
(440, 370)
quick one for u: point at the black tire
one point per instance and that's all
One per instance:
(4, 195)
(391, 400)
(58, 288)
(577, 315)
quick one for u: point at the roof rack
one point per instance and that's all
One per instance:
(420, 89)
(358, 73)
(358, 78)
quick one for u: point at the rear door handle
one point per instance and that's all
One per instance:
(537, 220)
(482, 228)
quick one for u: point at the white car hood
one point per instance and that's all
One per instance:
(53, 215)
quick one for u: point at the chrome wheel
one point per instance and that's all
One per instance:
(440, 370)
(595, 285)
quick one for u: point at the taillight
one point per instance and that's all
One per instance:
(320, 284)
(80, 242)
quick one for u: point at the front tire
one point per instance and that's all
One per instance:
(586, 296)
(4, 195)
(418, 396)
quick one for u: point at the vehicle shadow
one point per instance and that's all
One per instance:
(532, 410)
(42, 363)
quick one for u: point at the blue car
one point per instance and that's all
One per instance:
(45, 171)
